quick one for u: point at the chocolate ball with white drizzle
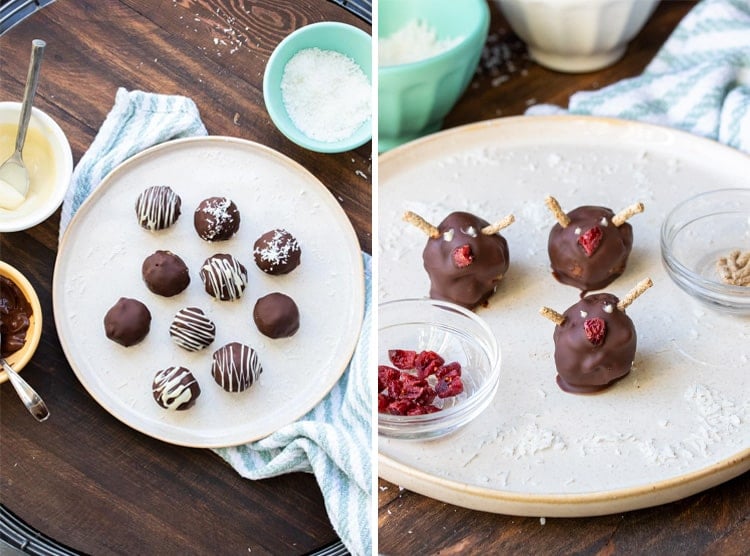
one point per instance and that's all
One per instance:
(224, 277)
(157, 207)
(465, 257)
(175, 388)
(192, 330)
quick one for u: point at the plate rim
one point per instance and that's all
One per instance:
(359, 283)
(581, 504)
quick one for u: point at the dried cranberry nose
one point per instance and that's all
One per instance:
(462, 256)
(590, 240)
(595, 330)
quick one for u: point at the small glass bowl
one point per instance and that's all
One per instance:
(696, 234)
(457, 335)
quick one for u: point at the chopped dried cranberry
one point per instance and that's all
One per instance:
(462, 256)
(385, 375)
(402, 359)
(399, 407)
(448, 386)
(590, 240)
(595, 329)
(427, 362)
(420, 392)
(383, 402)
(394, 388)
(451, 369)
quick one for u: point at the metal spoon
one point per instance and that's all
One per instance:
(29, 397)
(14, 177)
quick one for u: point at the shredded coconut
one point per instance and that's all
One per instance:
(414, 41)
(326, 94)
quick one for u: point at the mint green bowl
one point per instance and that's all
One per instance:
(328, 35)
(413, 98)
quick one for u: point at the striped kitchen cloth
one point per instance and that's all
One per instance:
(699, 81)
(333, 440)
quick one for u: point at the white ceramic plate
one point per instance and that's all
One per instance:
(100, 260)
(677, 424)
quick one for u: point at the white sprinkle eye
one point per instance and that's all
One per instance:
(608, 308)
(470, 231)
(448, 235)
(604, 222)
(578, 231)
(584, 314)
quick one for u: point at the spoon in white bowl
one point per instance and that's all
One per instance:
(29, 397)
(14, 177)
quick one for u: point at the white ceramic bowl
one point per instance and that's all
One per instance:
(576, 35)
(454, 333)
(49, 159)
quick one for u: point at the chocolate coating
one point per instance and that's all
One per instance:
(216, 219)
(157, 207)
(127, 322)
(15, 317)
(235, 367)
(165, 273)
(175, 388)
(465, 265)
(570, 263)
(277, 252)
(585, 365)
(276, 315)
(224, 277)
(191, 329)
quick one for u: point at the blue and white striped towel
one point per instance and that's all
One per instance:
(699, 81)
(333, 440)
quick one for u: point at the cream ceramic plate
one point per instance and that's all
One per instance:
(100, 260)
(677, 424)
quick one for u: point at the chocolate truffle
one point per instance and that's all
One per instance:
(216, 219)
(165, 273)
(127, 322)
(590, 252)
(464, 264)
(595, 344)
(175, 388)
(277, 252)
(158, 207)
(235, 367)
(191, 329)
(276, 315)
(224, 277)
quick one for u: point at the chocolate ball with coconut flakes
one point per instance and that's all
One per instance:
(277, 252)
(216, 219)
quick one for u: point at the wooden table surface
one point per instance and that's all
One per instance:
(715, 522)
(83, 478)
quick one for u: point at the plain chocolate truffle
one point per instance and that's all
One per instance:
(191, 329)
(277, 252)
(595, 344)
(216, 219)
(276, 315)
(235, 367)
(157, 207)
(165, 273)
(464, 264)
(175, 388)
(224, 277)
(590, 252)
(127, 322)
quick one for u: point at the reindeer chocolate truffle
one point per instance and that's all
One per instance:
(465, 257)
(216, 219)
(165, 273)
(175, 388)
(235, 367)
(277, 252)
(224, 277)
(127, 322)
(589, 246)
(595, 341)
(157, 207)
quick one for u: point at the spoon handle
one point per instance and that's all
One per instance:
(37, 49)
(29, 397)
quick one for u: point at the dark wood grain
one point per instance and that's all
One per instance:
(83, 478)
(716, 521)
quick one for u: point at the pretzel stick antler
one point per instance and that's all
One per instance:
(552, 315)
(492, 229)
(416, 220)
(633, 294)
(621, 217)
(555, 208)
